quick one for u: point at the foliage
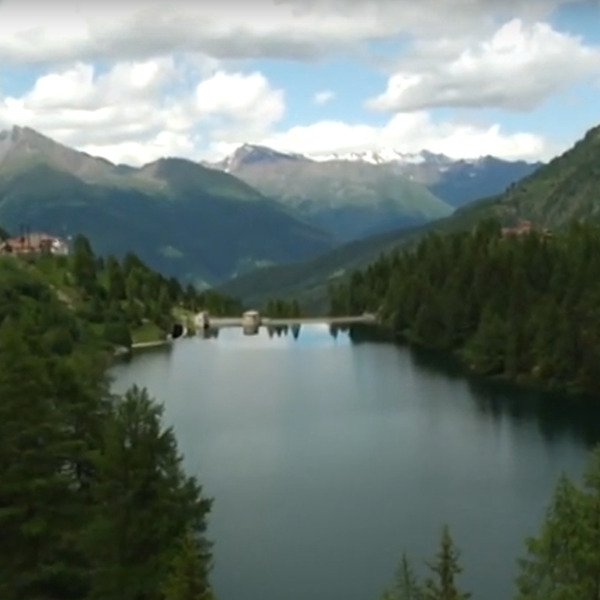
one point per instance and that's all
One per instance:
(441, 584)
(187, 579)
(93, 498)
(563, 561)
(406, 585)
(519, 307)
(279, 308)
(125, 300)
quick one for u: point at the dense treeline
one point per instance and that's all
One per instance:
(94, 504)
(125, 300)
(561, 562)
(278, 308)
(521, 307)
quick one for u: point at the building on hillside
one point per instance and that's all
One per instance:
(524, 226)
(35, 243)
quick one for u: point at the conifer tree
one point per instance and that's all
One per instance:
(406, 585)
(188, 575)
(563, 560)
(442, 585)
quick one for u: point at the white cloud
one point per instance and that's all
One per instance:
(186, 104)
(410, 132)
(66, 30)
(323, 97)
(517, 69)
(240, 97)
(139, 111)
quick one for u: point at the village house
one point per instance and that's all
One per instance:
(522, 227)
(35, 243)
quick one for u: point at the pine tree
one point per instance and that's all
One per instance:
(143, 503)
(85, 266)
(36, 494)
(563, 561)
(188, 574)
(442, 584)
(406, 585)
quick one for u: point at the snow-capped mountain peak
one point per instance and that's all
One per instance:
(386, 156)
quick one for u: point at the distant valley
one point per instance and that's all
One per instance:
(362, 194)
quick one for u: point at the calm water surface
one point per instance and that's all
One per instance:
(328, 457)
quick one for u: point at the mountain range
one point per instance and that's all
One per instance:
(360, 194)
(552, 196)
(206, 224)
(195, 223)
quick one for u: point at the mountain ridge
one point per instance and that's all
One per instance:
(350, 200)
(183, 219)
(455, 181)
(563, 190)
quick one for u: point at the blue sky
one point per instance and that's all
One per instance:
(131, 82)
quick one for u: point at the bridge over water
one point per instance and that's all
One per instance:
(218, 322)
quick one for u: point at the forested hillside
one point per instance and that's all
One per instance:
(519, 307)
(124, 302)
(94, 503)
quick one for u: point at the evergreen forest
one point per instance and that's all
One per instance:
(94, 502)
(525, 308)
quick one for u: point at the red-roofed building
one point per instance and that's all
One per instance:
(34, 243)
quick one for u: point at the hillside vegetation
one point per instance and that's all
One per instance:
(94, 502)
(123, 302)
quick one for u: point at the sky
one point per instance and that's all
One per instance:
(133, 80)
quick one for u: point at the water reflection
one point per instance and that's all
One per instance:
(210, 333)
(556, 416)
(304, 430)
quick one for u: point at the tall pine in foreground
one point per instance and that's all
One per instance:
(94, 501)
(143, 505)
(563, 560)
(406, 585)
(187, 578)
(441, 584)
